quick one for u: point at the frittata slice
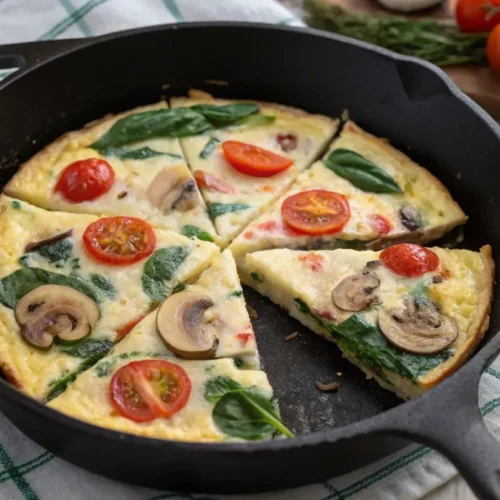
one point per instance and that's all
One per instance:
(377, 195)
(147, 177)
(235, 198)
(407, 316)
(61, 308)
(221, 403)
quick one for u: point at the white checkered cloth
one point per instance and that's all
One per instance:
(28, 471)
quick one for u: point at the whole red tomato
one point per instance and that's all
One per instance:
(493, 48)
(475, 16)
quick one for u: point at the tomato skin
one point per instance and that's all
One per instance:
(85, 180)
(316, 212)
(252, 160)
(212, 182)
(124, 330)
(410, 260)
(135, 390)
(476, 16)
(381, 224)
(493, 49)
(244, 337)
(119, 241)
(314, 260)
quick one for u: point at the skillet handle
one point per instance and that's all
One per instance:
(449, 420)
(26, 56)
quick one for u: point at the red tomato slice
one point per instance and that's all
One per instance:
(209, 181)
(381, 224)
(252, 160)
(119, 240)
(149, 389)
(410, 260)
(316, 212)
(474, 16)
(493, 49)
(85, 180)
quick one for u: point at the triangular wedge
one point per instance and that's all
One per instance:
(423, 211)
(151, 180)
(303, 137)
(203, 417)
(120, 295)
(457, 294)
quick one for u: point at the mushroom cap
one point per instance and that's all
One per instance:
(181, 325)
(55, 310)
(355, 293)
(418, 327)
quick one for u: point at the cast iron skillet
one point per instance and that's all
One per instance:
(64, 84)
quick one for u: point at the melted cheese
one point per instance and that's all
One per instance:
(439, 212)
(285, 275)
(33, 369)
(88, 398)
(36, 179)
(312, 131)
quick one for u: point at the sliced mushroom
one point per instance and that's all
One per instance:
(410, 217)
(355, 293)
(173, 188)
(418, 326)
(181, 325)
(188, 197)
(55, 310)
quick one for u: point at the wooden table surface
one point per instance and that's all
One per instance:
(457, 488)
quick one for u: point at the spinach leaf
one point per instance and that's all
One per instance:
(138, 154)
(58, 251)
(253, 121)
(236, 293)
(217, 209)
(15, 204)
(58, 386)
(222, 116)
(160, 269)
(248, 414)
(179, 122)
(257, 277)
(20, 282)
(369, 345)
(216, 387)
(89, 348)
(104, 285)
(209, 147)
(179, 288)
(195, 232)
(239, 362)
(361, 172)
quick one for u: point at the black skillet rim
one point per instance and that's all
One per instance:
(381, 422)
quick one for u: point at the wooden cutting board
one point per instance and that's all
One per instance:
(480, 83)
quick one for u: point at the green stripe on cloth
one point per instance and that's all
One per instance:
(493, 373)
(397, 464)
(70, 8)
(288, 20)
(28, 466)
(174, 10)
(16, 476)
(63, 25)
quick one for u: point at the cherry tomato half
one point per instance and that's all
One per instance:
(149, 389)
(119, 240)
(475, 16)
(493, 49)
(316, 211)
(252, 160)
(410, 260)
(85, 180)
(124, 330)
(381, 224)
(210, 181)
